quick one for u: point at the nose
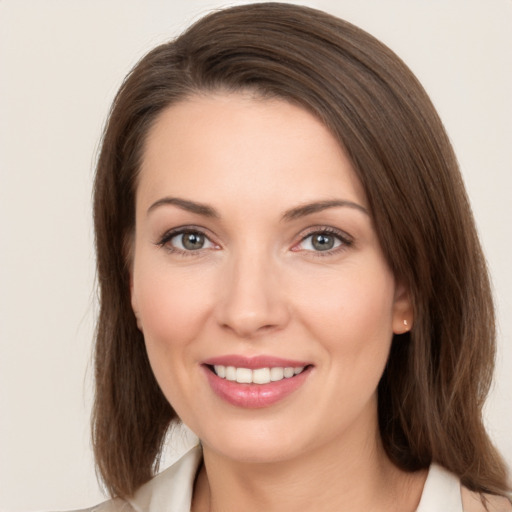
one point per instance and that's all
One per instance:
(252, 301)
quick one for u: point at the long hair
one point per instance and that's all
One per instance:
(431, 394)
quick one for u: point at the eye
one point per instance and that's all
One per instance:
(189, 241)
(320, 242)
(186, 241)
(323, 241)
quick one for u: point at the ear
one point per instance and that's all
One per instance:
(402, 310)
(135, 308)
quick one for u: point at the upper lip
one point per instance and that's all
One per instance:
(254, 362)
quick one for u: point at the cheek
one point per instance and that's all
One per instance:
(355, 323)
(357, 298)
(352, 315)
(171, 306)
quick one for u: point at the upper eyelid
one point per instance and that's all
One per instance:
(303, 235)
(346, 240)
(169, 234)
(326, 229)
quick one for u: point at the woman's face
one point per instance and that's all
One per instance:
(255, 259)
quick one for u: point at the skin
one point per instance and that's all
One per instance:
(259, 286)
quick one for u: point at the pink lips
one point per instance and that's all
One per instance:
(253, 396)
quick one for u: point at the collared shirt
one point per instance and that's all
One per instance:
(171, 491)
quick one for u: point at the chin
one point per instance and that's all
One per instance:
(266, 454)
(256, 445)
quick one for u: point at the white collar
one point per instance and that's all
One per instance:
(441, 491)
(172, 489)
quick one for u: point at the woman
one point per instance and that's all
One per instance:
(288, 264)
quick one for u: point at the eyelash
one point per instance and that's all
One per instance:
(344, 238)
(169, 235)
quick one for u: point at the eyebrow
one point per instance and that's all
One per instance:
(292, 214)
(310, 208)
(190, 206)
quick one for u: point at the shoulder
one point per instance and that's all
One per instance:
(476, 502)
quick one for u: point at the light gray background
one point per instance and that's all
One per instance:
(60, 65)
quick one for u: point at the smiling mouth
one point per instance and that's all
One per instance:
(257, 375)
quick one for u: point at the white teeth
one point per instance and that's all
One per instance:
(230, 373)
(288, 372)
(261, 376)
(276, 374)
(220, 370)
(243, 375)
(257, 376)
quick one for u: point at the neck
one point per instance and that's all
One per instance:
(353, 474)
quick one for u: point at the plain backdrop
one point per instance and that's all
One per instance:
(61, 62)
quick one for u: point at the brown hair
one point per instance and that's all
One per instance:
(431, 394)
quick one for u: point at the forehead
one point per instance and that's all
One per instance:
(236, 145)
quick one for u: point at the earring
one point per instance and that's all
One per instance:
(406, 323)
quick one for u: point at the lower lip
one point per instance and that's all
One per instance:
(255, 396)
